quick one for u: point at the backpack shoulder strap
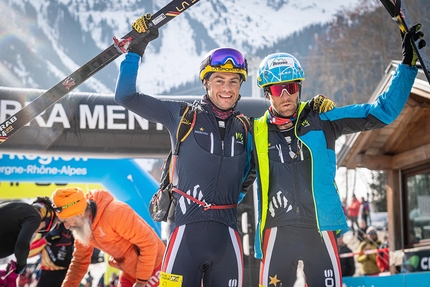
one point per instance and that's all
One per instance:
(186, 123)
(245, 121)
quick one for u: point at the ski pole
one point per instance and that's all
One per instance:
(7, 274)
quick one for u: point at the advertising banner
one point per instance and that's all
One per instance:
(93, 125)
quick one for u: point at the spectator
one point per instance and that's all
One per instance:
(353, 211)
(113, 282)
(365, 210)
(366, 258)
(345, 207)
(383, 259)
(89, 280)
(98, 220)
(347, 263)
(361, 232)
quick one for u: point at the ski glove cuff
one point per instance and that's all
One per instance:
(409, 55)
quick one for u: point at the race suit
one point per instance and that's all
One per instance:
(299, 209)
(205, 244)
(56, 249)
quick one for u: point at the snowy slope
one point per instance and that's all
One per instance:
(74, 31)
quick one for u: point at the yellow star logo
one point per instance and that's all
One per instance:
(274, 280)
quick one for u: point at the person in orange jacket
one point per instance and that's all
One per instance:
(97, 220)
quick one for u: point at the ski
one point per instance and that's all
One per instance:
(400, 14)
(15, 122)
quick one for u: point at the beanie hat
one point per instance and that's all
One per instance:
(69, 202)
(371, 230)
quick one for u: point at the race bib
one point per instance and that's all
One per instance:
(170, 280)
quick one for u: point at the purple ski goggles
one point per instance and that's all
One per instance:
(222, 56)
(224, 60)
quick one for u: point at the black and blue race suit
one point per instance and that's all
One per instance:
(299, 208)
(205, 244)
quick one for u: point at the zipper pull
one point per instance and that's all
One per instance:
(281, 156)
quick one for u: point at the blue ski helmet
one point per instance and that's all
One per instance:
(279, 68)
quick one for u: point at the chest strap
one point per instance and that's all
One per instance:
(205, 205)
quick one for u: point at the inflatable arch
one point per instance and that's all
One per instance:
(93, 125)
(88, 140)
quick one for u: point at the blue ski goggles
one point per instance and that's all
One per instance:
(224, 60)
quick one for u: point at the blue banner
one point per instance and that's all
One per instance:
(124, 178)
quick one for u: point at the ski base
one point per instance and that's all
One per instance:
(15, 122)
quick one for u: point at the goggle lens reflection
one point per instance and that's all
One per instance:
(291, 88)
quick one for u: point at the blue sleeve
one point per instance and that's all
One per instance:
(386, 108)
(155, 110)
(126, 83)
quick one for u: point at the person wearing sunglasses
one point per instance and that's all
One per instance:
(213, 167)
(99, 221)
(19, 222)
(299, 209)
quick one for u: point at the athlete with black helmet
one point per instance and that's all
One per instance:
(19, 222)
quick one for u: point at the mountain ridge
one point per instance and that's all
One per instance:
(51, 39)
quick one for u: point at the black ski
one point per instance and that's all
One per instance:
(15, 122)
(400, 15)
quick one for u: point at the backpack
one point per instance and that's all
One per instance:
(161, 202)
(162, 205)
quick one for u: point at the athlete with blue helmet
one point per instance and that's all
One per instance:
(299, 208)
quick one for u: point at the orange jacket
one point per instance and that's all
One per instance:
(354, 208)
(120, 232)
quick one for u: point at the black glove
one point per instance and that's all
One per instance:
(53, 235)
(321, 104)
(141, 26)
(19, 269)
(139, 48)
(409, 55)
